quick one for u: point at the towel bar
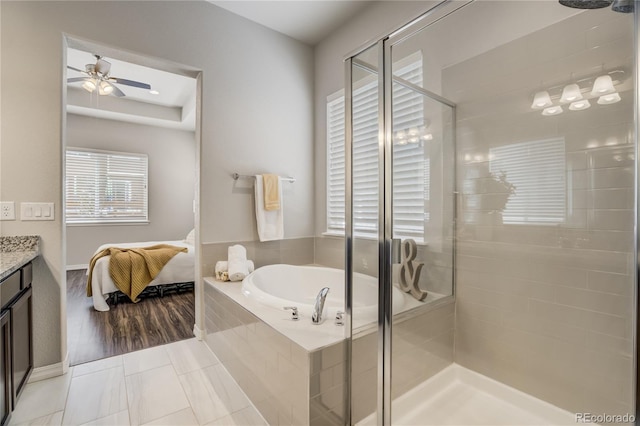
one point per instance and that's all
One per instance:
(237, 176)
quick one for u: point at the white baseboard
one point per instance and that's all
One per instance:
(49, 371)
(198, 332)
(76, 267)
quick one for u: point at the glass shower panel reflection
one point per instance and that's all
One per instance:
(544, 237)
(423, 174)
(366, 185)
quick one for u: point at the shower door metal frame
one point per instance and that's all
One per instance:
(385, 208)
(635, 334)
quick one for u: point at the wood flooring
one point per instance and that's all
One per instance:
(127, 327)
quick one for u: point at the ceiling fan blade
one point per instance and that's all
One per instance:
(76, 69)
(75, 79)
(117, 92)
(130, 83)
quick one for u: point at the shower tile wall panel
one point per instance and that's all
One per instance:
(298, 251)
(422, 346)
(287, 384)
(547, 309)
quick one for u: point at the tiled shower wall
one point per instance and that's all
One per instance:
(548, 308)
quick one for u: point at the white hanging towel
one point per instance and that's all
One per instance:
(270, 223)
(237, 263)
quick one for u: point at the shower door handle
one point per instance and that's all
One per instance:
(396, 254)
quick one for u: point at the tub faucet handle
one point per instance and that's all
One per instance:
(294, 312)
(339, 318)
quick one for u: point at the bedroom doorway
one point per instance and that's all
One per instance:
(131, 150)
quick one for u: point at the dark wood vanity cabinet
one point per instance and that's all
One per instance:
(21, 319)
(6, 394)
(16, 338)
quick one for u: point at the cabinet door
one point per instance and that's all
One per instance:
(21, 342)
(5, 368)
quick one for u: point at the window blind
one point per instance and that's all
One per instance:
(537, 170)
(410, 165)
(105, 187)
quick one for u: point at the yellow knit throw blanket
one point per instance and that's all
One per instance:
(132, 269)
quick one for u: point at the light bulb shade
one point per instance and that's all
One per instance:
(554, 110)
(105, 88)
(570, 93)
(541, 100)
(89, 85)
(609, 99)
(580, 105)
(602, 86)
(624, 6)
(586, 4)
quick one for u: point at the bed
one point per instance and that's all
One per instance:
(180, 270)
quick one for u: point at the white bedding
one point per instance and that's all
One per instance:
(180, 269)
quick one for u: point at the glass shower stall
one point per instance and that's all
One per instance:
(491, 170)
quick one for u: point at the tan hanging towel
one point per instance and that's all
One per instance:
(271, 192)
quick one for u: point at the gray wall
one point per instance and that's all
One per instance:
(257, 90)
(172, 174)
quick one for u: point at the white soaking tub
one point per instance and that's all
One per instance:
(282, 285)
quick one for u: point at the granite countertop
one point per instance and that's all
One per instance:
(15, 252)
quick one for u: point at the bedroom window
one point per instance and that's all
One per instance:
(411, 168)
(105, 187)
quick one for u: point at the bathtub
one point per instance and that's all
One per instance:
(278, 286)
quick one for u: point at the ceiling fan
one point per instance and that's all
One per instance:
(98, 78)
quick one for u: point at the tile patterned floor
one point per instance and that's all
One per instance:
(181, 383)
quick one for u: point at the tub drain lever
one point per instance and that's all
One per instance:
(294, 312)
(339, 318)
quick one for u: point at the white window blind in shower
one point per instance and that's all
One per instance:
(411, 166)
(105, 187)
(537, 170)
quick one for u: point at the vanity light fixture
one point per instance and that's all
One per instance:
(602, 86)
(609, 99)
(570, 93)
(554, 110)
(580, 105)
(541, 100)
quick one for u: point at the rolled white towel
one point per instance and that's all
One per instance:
(237, 263)
(223, 266)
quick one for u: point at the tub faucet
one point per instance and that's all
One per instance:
(316, 318)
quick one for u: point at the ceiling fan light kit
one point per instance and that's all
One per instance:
(98, 78)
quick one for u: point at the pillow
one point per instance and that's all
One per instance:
(191, 237)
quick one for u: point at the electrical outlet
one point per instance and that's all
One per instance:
(7, 210)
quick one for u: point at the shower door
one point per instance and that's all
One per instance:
(488, 155)
(400, 189)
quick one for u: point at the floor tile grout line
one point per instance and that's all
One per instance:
(66, 397)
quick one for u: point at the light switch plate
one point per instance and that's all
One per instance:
(7, 210)
(37, 211)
